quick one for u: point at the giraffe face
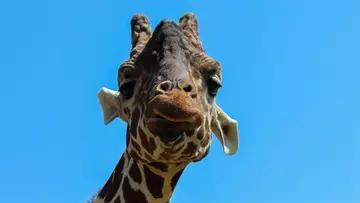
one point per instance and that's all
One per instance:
(170, 93)
(167, 93)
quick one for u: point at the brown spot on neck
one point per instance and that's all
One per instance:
(154, 182)
(135, 173)
(131, 195)
(117, 200)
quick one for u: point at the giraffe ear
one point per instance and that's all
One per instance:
(110, 103)
(226, 130)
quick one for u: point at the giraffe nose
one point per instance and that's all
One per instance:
(175, 106)
(166, 86)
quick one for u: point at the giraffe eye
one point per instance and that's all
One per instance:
(127, 90)
(213, 86)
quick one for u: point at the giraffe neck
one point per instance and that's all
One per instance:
(135, 182)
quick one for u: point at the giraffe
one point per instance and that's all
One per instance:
(167, 96)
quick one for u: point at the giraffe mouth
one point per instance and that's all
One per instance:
(171, 117)
(172, 137)
(167, 130)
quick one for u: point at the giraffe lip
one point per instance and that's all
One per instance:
(168, 131)
(159, 117)
(164, 126)
(171, 137)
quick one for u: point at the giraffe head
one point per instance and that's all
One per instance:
(167, 95)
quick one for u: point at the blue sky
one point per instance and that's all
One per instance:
(291, 79)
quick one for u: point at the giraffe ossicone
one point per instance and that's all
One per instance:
(167, 96)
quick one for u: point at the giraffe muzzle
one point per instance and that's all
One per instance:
(172, 115)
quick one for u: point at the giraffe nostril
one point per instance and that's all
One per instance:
(164, 86)
(187, 88)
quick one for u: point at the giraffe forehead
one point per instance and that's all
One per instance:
(167, 51)
(170, 55)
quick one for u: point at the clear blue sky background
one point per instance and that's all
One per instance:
(291, 78)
